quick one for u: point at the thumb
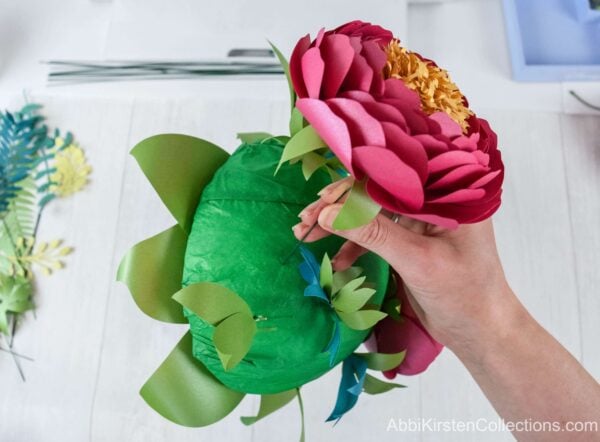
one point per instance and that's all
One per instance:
(393, 242)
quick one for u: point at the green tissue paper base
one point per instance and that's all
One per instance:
(240, 235)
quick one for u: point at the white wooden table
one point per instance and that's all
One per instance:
(93, 348)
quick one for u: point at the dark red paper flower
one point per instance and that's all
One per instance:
(419, 165)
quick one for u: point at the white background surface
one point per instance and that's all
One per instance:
(93, 349)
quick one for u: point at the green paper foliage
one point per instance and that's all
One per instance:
(358, 209)
(373, 385)
(178, 167)
(253, 137)
(348, 293)
(286, 70)
(152, 271)
(270, 403)
(382, 361)
(185, 392)
(15, 297)
(228, 313)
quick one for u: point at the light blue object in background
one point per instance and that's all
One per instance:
(548, 42)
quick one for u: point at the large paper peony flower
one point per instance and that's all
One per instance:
(395, 121)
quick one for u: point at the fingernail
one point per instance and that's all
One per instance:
(308, 209)
(323, 191)
(328, 215)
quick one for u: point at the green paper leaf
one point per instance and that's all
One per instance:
(152, 271)
(233, 337)
(296, 121)
(373, 385)
(286, 70)
(349, 302)
(212, 302)
(340, 279)
(362, 319)
(358, 209)
(15, 297)
(178, 167)
(253, 137)
(306, 140)
(382, 361)
(185, 392)
(270, 403)
(326, 274)
(392, 307)
(311, 163)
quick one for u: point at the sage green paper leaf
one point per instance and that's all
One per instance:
(270, 403)
(382, 361)
(306, 140)
(185, 392)
(212, 302)
(349, 302)
(358, 209)
(15, 297)
(253, 137)
(340, 279)
(310, 163)
(152, 270)
(286, 70)
(362, 319)
(178, 167)
(326, 274)
(373, 385)
(233, 337)
(296, 121)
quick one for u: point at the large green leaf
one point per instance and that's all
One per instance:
(228, 313)
(185, 392)
(178, 167)
(358, 209)
(270, 403)
(286, 70)
(152, 270)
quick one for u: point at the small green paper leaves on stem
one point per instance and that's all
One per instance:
(185, 392)
(15, 297)
(152, 270)
(362, 319)
(358, 209)
(253, 137)
(270, 403)
(228, 313)
(305, 141)
(373, 385)
(178, 167)
(382, 361)
(296, 121)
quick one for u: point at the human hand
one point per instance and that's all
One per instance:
(453, 279)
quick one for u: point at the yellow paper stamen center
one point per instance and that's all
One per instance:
(433, 84)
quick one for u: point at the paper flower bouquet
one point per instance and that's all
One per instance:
(266, 321)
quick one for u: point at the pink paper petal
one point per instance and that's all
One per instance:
(432, 145)
(385, 113)
(449, 160)
(312, 72)
(466, 143)
(320, 36)
(364, 129)
(484, 179)
(338, 54)
(395, 88)
(460, 196)
(483, 158)
(385, 168)
(458, 176)
(450, 128)
(296, 65)
(330, 128)
(360, 96)
(409, 150)
(376, 57)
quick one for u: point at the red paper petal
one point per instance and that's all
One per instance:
(432, 145)
(330, 128)
(312, 72)
(458, 176)
(484, 179)
(460, 196)
(395, 88)
(364, 129)
(360, 75)
(338, 54)
(449, 160)
(296, 65)
(386, 169)
(409, 150)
